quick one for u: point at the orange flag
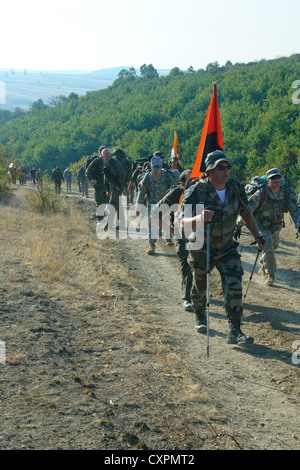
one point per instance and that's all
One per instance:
(211, 138)
(175, 151)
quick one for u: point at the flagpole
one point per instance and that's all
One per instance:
(215, 103)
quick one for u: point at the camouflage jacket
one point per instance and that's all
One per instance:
(222, 226)
(115, 174)
(81, 174)
(95, 172)
(67, 174)
(154, 189)
(172, 196)
(269, 208)
(57, 176)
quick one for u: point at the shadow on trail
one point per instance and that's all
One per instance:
(166, 255)
(277, 317)
(262, 314)
(265, 352)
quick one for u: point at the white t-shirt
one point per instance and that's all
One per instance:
(222, 195)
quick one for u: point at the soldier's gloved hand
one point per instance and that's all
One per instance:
(237, 233)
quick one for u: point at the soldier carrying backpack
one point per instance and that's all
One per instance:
(268, 200)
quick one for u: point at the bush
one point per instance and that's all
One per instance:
(5, 189)
(44, 201)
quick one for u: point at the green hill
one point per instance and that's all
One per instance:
(139, 113)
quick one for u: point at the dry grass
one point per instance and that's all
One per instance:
(60, 256)
(60, 249)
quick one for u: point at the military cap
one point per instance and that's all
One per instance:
(273, 172)
(156, 163)
(214, 158)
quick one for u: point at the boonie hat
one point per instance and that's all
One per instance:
(214, 158)
(156, 163)
(273, 172)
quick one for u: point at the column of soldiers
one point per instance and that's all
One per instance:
(227, 207)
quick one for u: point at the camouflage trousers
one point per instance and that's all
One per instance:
(228, 263)
(100, 196)
(114, 200)
(271, 236)
(57, 187)
(186, 273)
(69, 184)
(84, 185)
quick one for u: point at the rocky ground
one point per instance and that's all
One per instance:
(99, 353)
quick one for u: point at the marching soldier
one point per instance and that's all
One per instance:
(268, 205)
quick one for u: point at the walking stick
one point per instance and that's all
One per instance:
(207, 288)
(251, 274)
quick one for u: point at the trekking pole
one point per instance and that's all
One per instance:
(251, 274)
(207, 288)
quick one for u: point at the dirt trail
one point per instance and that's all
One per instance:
(125, 368)
(256, 389)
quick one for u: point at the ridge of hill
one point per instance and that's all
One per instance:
(24, 87)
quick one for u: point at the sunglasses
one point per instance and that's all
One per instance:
(275, 177)
(223, 167)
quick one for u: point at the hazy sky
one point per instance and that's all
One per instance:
(96, 34)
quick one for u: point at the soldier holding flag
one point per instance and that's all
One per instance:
(223, 199)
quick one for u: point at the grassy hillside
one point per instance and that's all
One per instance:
(260, 121)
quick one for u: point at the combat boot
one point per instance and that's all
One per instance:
(235, 334)
(269, 279)
(151, 249)
(201, 322)
(188, 306)
(262, 272)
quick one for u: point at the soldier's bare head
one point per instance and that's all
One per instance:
(105, 154)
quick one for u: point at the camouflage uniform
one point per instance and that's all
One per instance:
(32, 173)
(57, 177)
(91, 158)
(268, 209)
(126, 162)
(133, 184)
(67, 174)
(172, 197)
(39, 179)
(153, 190)
(115, 177)
(95, 172)
(223, 249)
(83, 181)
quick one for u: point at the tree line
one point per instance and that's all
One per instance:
(141, 110)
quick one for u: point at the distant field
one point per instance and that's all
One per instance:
(22, 89)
